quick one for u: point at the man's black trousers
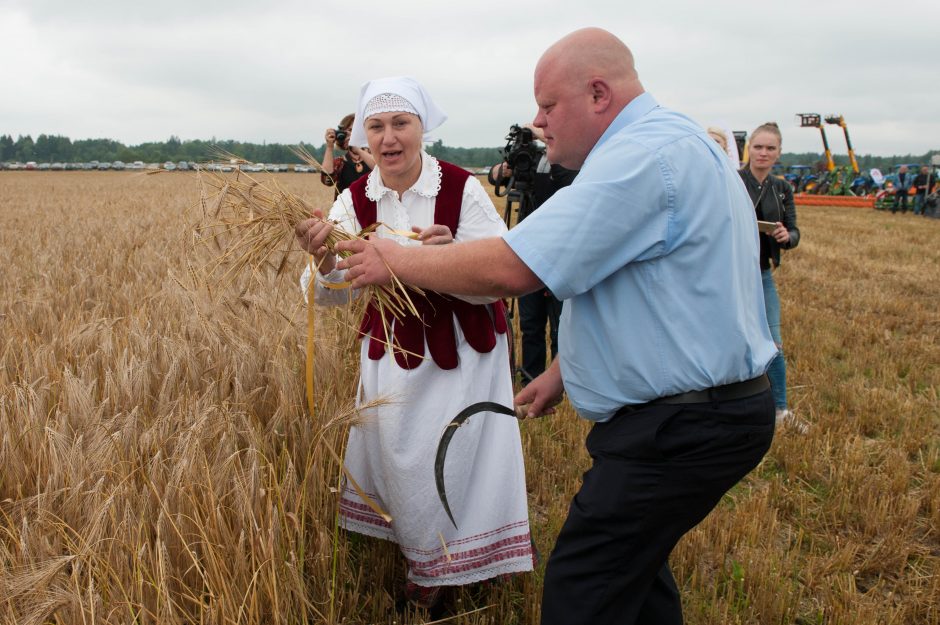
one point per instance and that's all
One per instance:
(657, 471)
(535, 310)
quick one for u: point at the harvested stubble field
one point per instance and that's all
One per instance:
(157, 464)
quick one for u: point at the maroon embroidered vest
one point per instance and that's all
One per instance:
(436, 311)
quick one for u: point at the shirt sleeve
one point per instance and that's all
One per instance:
(789, 216)
(478, 220)
(478, 216)
(331, 179)
(618, 211)
(344, 216)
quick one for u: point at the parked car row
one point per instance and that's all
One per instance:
(91, 165)
(168, 166)
(259, 167)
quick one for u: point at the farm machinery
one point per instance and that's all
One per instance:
(843, 182)
(861, 184)
(800, 176)
(813, 120)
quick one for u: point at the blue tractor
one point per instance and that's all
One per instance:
(798, 175)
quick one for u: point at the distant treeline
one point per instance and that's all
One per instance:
(55, 148)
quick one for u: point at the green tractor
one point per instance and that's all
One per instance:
(834, 180)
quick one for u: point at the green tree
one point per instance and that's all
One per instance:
(173, 148)
(126, 154)
(7, 148)
(42, 150)
(24, 148)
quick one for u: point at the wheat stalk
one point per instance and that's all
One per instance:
(250, 226)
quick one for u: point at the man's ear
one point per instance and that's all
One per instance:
(600, 94)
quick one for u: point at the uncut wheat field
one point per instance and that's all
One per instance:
(158, 463)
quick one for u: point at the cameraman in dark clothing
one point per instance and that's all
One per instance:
(342, 171)
(540, 307)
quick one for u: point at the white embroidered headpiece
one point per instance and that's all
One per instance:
(387, 103)
(397, 93)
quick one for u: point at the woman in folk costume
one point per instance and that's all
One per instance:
(456, 355)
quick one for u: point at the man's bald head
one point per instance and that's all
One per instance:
(590, 52)
(582, 82)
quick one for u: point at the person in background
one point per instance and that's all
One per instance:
(341, 171)
(541, 307)
(725, 139)
(922, 186)
(663, 341)
(430, 367)
(932, 203)
(901, 190)
(719, 136)
(773, 202)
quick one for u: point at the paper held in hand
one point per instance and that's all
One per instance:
(766, 227)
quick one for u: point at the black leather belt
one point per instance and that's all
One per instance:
(726, 392)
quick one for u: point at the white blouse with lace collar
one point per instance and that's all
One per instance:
(427, 185)
(478, 216)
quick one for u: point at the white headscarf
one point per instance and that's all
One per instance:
(404, 87)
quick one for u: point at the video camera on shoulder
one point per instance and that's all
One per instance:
(522, 154)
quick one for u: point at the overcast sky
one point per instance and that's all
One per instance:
(285, 71)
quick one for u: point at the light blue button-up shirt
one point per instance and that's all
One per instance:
(654, 249)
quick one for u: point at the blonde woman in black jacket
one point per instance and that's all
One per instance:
(773, 202)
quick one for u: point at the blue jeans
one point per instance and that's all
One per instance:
(777, 372)
(900, 201)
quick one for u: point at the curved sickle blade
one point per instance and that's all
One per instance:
(449, 431)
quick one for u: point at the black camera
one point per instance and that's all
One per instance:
(341, 135)
(521, 154)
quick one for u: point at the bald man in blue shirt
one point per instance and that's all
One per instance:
(664, 341)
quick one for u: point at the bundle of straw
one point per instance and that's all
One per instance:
(250, 224)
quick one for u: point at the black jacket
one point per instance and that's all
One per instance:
(773, 201)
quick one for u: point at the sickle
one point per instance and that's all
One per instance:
(449, 431)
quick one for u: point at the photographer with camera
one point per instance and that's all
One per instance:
(341, 171)
(529, 180)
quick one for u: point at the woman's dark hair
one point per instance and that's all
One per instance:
(347, 121)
